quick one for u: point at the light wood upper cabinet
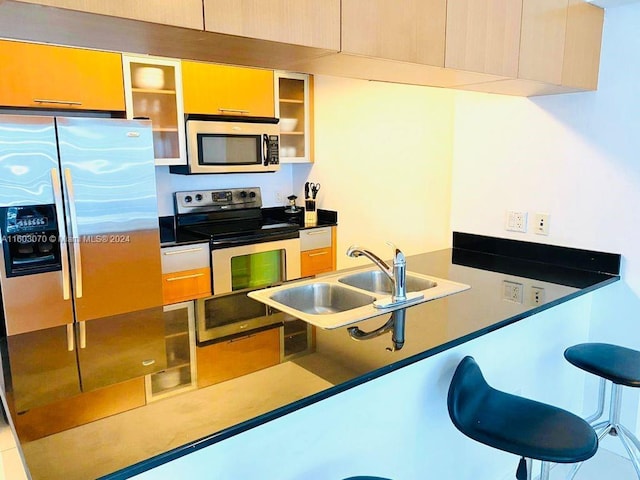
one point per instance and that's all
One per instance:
(44, 76)
(542, 40)
(185, 13)
(411, 32)
(484, 36)
(221, 89)
(582, 46)
(560, 42)
(311, 23)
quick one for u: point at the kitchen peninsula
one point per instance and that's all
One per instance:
(145, 438)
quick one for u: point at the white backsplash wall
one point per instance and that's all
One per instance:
(383, 158)
(271, 184)
(575, 157)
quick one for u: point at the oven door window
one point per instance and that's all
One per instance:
(230, 309)
(256, 270)
(224, 149)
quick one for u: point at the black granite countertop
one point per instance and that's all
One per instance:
(429, 328)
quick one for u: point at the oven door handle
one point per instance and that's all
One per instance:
(248, 240)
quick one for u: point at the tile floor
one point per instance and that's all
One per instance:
(604, 465)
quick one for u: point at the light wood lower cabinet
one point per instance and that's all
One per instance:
(240, 356)
(317, 250)
(45, 76)
(79, 410)
(186, 285)
(185, 13)
(316, 261)
(186, 272)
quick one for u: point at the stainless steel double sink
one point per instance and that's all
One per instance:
(341, 299)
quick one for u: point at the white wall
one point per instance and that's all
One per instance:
(383, 158)
(575, 157)
(271, 184)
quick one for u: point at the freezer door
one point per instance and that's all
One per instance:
(29, 171)
(42, 369)
(110, 198)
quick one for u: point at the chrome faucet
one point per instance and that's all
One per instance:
(396, 274)
(395, 324)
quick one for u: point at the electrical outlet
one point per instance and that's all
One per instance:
(541, 224)
(537, 295)
(512, 291)
(279, 197)
(516, 221)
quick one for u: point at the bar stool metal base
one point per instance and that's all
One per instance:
(613, 427)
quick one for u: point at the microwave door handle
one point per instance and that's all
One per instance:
(265, 149)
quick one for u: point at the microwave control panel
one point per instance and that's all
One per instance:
(273, 150)
(213, 200)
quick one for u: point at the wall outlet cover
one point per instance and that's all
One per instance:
(541, 223)
(516, 221)
(512, 291)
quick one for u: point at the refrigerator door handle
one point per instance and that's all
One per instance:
(77, 259)
(62, 236)
(83, 334)
(70, 337)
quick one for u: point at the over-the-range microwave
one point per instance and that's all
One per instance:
(230, 144)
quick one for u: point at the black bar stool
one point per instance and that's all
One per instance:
(515, 424)
(621, 367)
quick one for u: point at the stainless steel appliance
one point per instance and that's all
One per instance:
(80, 241)
(247, 252)
(230, 144)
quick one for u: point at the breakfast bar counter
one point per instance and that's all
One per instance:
(510, 281)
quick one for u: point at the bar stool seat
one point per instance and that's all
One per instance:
(517, 425)
(621, 367)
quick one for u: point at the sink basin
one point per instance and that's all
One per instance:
(343, 298)
(322, 298)
(377, 282)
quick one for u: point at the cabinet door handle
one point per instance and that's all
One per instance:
(184, 277)
(56, 102)
(147, 363)
(318, 254)
(186, 250)
(318, 232)
(234, 110)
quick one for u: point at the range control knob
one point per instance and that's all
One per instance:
(252, 194)
(243, 194)
(188, 199)
(198, 197)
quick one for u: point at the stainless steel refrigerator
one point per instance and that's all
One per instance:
(80, 263)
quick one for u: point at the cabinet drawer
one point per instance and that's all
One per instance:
(314, 238)
(185, 257)
(316, 261)
(46, 76)
(186, 285)
(234, 358)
